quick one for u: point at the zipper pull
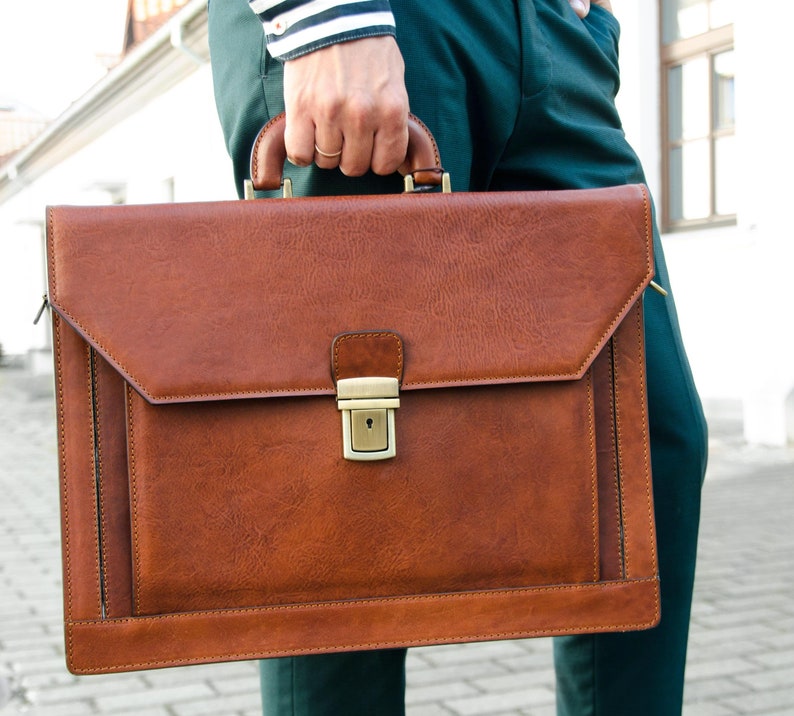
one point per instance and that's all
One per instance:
(656, 287)
(45, 304)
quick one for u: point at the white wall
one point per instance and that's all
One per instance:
(766, 146)
(732, 283)
(174, 137)
(21, 284)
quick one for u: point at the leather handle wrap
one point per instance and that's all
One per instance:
(269, 154)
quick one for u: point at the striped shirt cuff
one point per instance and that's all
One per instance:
(297, 27)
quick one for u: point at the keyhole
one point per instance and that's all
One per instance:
(369, 423)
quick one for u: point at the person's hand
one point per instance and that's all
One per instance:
(347, 106)
(582, 7)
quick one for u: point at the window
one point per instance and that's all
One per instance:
(698, 116)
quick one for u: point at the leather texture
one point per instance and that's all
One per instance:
(208, 513)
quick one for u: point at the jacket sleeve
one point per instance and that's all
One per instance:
(297, 27)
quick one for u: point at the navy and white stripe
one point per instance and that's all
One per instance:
(296, 27)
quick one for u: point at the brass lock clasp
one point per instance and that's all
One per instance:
(367, 406)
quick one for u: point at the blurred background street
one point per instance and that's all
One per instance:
(741, 658)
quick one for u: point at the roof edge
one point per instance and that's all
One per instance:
(166, 57)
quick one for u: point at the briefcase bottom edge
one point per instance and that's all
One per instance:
(140, 643)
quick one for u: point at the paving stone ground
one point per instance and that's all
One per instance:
(741, 658)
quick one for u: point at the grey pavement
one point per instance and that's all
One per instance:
(741, 658)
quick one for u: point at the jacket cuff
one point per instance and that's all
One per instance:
(294, 28)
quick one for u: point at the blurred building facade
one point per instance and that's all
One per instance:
(698, 104)
(146, 16)
(19, 125)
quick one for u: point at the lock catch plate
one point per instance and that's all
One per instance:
(368, 425)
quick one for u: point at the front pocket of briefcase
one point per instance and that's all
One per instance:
(243, 503)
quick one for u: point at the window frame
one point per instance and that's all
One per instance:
(708, 44)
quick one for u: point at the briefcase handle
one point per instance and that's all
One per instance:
(422, 162)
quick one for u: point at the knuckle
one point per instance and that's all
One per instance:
(325, 163)
(329, 107)
(353, 170)
(384, 169)
(298, 161)
(299, 158)
(360, 111)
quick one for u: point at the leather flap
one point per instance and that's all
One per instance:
(243, 299)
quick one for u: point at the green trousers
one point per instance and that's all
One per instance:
(519, 95)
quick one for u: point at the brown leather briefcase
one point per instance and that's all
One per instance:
(307, 425)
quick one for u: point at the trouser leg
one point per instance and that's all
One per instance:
(568, 135)
(365, 683)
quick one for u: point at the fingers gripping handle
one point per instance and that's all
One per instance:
(269, 154)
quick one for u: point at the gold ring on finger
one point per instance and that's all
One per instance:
(326, 154)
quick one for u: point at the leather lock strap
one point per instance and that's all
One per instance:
(367, 369)
(367, 353)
